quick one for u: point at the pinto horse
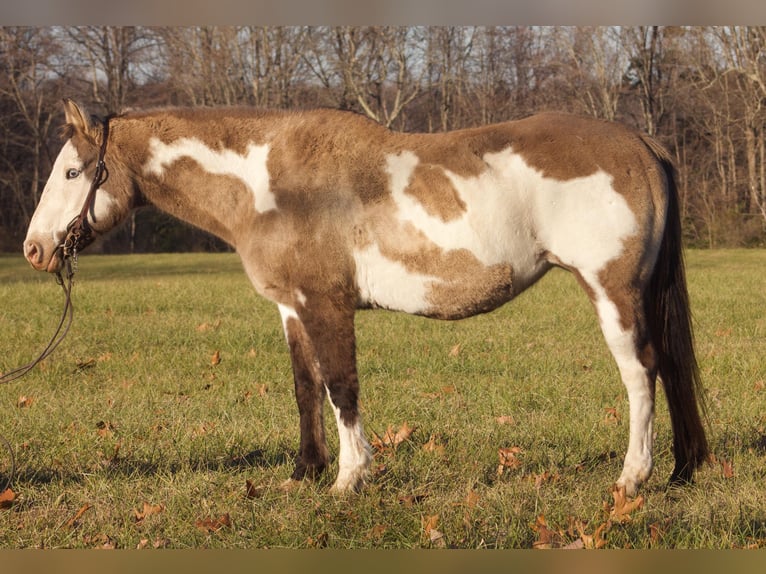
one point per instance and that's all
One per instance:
(330, 213)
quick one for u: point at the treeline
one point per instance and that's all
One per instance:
(700, 90)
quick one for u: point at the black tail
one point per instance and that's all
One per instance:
(670, 325)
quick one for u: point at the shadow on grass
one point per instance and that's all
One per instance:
(128, 466)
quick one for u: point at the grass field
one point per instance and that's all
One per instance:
(166, 419)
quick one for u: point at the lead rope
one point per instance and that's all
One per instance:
(61, 331)
(78, 235)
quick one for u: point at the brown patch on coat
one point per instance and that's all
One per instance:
(433, 189)
(464, 286)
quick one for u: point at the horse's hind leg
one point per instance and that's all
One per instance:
(322, 347)
(623, 323)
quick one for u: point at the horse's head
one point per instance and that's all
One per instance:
(67, 191)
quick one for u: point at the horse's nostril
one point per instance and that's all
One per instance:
(33, 252)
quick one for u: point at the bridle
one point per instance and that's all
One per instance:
(79, 231)
(78, 236)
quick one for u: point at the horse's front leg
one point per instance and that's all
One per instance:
(322, 348)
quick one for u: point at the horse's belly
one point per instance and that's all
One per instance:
(454, 285)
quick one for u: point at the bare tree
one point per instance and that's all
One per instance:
(112, 57)
(28, 94)
(593, 68)
(371, 67)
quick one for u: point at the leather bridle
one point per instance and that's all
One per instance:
(79, 232)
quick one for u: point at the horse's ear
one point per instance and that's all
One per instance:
(77, 120)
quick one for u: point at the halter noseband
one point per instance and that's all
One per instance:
(79, 231)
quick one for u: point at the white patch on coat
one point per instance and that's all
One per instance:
(355, 453)
(583, 221)
(286, 313)
(513, 214)
(250, 168)
(62, 199)
(388, 284)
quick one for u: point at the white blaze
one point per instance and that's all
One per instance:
(63, 198)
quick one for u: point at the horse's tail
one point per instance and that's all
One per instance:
(670, 324)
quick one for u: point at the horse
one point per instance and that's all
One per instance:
(331, 212)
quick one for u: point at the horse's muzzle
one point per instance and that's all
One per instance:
(35, 254)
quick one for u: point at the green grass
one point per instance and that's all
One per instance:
(130, 409)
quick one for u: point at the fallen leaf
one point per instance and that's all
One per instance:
(24, 402)
(759, 385)
(433, 446)
(727, 468)
(455, 350)
(392, 438)
(100, 542)
(216, 358)
(252, 491)
(612, 417)
(409, 500)
(508, 458)
(623, 505)
(211, 525)
(148, 510)
(544, 477)
(105, 428)
(72, 522)
(7, 498)
(546, 538)
(657, 530)
(434, 536)
(505, 420)
(377, 532)
(319, 542)
(472, 499)
(593, 541)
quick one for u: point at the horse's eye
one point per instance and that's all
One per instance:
(72, 173)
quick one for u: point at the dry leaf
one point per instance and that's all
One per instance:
(612, 417)
(623, 505)
(377, 532)
(433, 446)
(544, 477)
(7, 498)
(508, 458)
(759, 385)
(252, 491)
(24, 402)
(392, 438)
(105, 428)
(319, 542)
(593, 541)
(455, 350)
(429, 528)
(72, 522)
(472, 499)
(216, 358)
(148, 510)
(505, 420)
(546, 538)
(210, 525)
(727, 468)
(409, 500)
